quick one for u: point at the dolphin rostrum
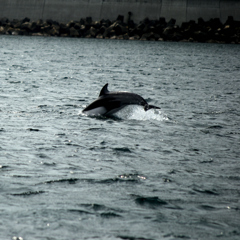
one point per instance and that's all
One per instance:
(109, 103)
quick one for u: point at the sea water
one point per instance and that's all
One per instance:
(172, 173)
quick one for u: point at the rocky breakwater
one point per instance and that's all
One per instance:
(212, 31)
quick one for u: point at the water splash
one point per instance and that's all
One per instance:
(137, 113)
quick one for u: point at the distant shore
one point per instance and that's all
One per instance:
(212, 31)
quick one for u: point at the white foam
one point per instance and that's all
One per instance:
(134, 112)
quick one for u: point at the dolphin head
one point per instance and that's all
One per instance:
(147, 107)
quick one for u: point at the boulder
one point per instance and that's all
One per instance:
(162, 21)
(214, 23)
(40, 22)
(73, 32)
(151, 36)
(97, 25)
(88, 21)
(77, 26)
(105, 23)
(71, 24)
(123, 37)
(108, 33)
(54, 31)
(46, 30)
(26, 26)
(200, 31)
(135, 37)
(145, 36)
(63, 29)
(2, 30)
(168, 30)
(18, 32)
(26, 19)
(171, 22)
(102, 30)
(49, 22)
(100, 36)
(120, 18)
(4, 21)
(119, 28)
(200, 36)
(229, 21)
(92, 32)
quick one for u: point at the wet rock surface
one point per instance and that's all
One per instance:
(212, 31)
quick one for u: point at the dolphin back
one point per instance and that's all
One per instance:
(104, 90)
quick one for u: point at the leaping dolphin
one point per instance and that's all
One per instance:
(109, 103)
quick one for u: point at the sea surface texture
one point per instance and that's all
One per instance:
(172, 173)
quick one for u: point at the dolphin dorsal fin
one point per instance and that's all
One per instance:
(104, 90)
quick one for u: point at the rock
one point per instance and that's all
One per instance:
(97, 25)
(150, 36)
(73, 32)
(40, 22)
(92, 32)
(63, 29)
(123, 37)
(25, 26)
(199, 36)
(171, 22)
(105, 23)
(109, 32)
(229, 21)
(37, 34)
(4, 21)
(26, 19)
(172, 33)
(114, 37)
(162, 22)
(119, 28)
(46, 29)
(88, 20)
(17, 32)
(131, 24)
(135, 37)
(148, 30)
(17, 24)
(145, 36)
(54, 31)
(120, 18)
(168, 30)
(71, 24)
(201, 22)
(228, 31)
(100, 36)
(215, 23)
(49, 22)
(2, 30)
(77, 26)
(102, 30)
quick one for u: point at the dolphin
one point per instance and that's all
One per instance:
(109, 103)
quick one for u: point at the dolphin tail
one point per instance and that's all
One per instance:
(147, 107)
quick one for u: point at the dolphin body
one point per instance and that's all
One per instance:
(109, 103)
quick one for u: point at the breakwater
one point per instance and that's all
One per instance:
(212, 31)
(65, 11)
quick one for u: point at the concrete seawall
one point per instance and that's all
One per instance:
(66, 10)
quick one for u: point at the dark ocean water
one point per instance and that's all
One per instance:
(169, 174)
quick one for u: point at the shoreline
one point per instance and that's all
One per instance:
(212, 31)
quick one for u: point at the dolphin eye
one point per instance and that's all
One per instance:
(146, 107)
